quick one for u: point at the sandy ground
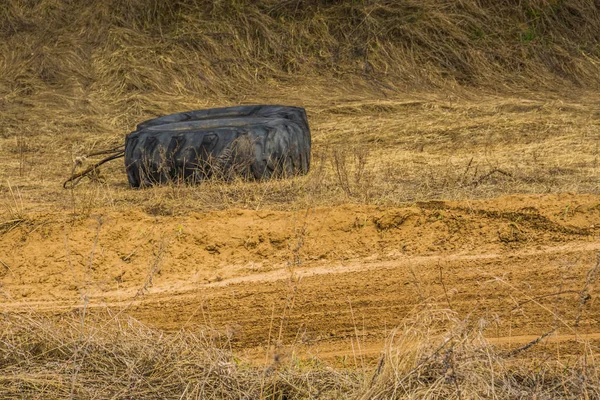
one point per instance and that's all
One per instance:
(327, 282)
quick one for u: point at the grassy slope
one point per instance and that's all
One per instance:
(125, 59)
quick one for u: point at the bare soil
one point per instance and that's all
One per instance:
(328, 282)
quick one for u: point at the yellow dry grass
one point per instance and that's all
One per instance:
(407, 101)
(365, 150)
(434, 355)
(76, 77)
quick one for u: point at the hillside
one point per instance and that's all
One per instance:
(129, 58)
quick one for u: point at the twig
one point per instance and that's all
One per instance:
(464, 175)
(153, 269)
(584, 295)
(417, 285)
(519, 305)
(117, 149)
(530, 344)
(76, 178)
(5, 265)
(478, 181)
(444, 287)
(379, 368)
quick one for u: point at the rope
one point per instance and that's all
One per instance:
(75, 178)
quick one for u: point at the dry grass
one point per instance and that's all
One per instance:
(513, 110)
(364, 151)
(128, 50)
(121, 359)
(424, 361)
(434, 355)
(74, 78)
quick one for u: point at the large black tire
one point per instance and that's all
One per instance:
(255, 142)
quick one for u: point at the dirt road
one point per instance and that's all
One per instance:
(323, 281)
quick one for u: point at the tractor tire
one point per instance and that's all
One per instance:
(253, 142)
